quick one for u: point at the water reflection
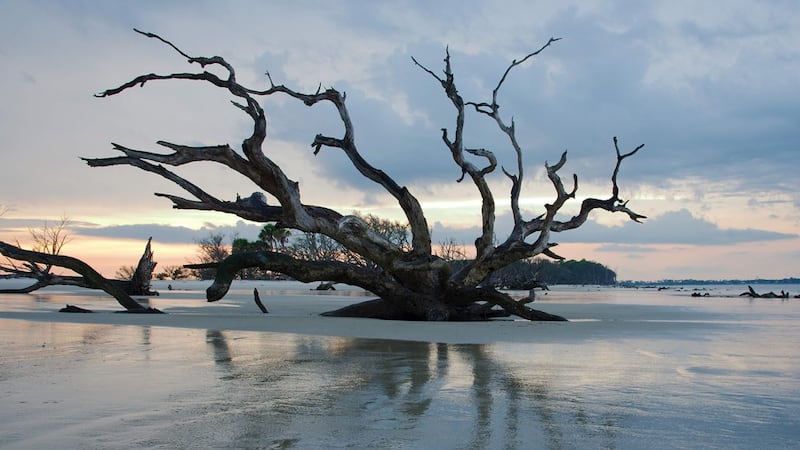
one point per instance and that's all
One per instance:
(358, 392)
(101, 386)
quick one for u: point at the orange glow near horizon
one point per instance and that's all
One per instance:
(650, 262)
(107, 255)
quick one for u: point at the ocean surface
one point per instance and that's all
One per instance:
(634, 369)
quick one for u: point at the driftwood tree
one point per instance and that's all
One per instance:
(38, 265)
(410, 283)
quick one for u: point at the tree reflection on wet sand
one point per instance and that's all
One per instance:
(89, 385)
(360, 392)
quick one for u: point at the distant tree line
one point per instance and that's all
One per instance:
(523, 274)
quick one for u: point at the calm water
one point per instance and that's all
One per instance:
(638, 369)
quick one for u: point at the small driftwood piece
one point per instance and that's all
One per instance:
(74, 309)
(325, 286)
(258, 302)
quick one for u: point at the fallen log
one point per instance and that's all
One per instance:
(753, 294)
(139, 284)
(91, 277)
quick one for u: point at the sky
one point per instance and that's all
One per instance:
(711, 88)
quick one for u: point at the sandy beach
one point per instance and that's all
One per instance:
(633, 369)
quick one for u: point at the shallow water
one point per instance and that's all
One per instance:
(639, 369)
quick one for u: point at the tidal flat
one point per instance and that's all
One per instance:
(635, 368)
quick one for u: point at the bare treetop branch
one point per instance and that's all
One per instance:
(515, 63)
(203, 61)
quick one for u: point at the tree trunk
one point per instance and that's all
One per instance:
(427, 301)
(139, 284)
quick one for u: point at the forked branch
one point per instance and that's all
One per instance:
(483, 244)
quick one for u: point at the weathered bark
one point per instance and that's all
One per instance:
(411, 282)
(139, 284)
(89, 277)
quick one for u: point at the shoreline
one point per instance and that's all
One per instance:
(594, 312)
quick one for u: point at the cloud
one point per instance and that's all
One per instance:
(626, 248)
(675, 227)
(460, 236)
(168, 233)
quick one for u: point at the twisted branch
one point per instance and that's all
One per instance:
(483, 244)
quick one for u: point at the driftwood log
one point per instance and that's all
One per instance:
(752, 293)
(74, 309)
(139, 284)
(325, 286)
(89, 278)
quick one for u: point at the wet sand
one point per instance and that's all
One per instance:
(636, 369)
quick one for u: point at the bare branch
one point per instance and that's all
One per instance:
(620, 157)
(515, 246)
(493, 111)
(257, 165)
(611, 204)
(483, 244)
(203, 61)
(299, 269)
(51, 238)
(513, 64)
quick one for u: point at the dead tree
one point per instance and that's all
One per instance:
(411, 283)
(89, 277)
(38, 265)
(41, 270)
